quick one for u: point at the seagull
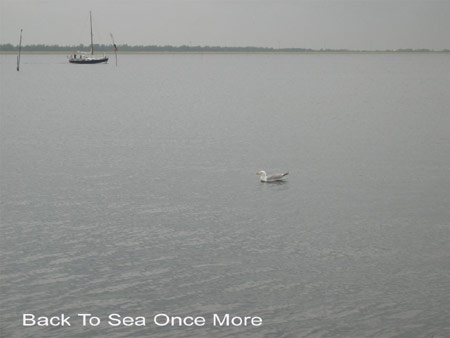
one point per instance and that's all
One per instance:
(271, 178)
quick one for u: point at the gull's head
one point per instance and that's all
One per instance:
(262, 172)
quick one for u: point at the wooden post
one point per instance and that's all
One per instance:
(20, 48)
(115, 46)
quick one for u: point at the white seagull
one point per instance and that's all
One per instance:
(271, 178)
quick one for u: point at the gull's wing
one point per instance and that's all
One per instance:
(276, 177)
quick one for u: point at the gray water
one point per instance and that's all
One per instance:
(132, 190)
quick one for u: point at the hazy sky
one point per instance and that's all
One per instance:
(350, 24)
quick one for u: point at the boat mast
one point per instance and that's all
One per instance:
(20, 48)
(92, 36)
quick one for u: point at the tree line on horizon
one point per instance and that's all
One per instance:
(153, 48)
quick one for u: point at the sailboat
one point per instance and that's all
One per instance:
(87, 58)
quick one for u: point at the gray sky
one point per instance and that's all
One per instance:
(350, 24)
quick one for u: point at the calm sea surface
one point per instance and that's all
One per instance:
(132, 190)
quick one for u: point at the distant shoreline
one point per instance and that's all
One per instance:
(167, 49)
(221, 52)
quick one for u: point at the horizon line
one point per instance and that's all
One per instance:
(172, 48)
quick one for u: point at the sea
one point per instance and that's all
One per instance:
(131, 191)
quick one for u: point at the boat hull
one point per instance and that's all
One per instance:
(89, 60)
